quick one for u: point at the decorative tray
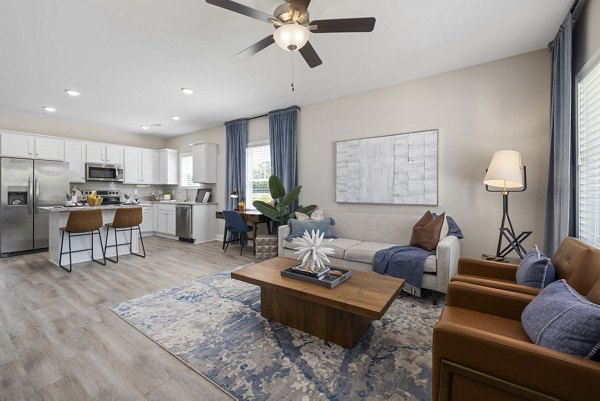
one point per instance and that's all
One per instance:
(331, 280)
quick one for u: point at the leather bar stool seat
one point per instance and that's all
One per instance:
(82, 223)
(126, 219)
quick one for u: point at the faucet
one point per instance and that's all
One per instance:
(187, 196)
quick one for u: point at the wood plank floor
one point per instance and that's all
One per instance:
(59, 340)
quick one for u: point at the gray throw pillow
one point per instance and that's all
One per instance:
(536, 270)
(561, 319)
(298, 227)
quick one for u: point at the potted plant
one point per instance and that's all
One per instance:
(280, 211)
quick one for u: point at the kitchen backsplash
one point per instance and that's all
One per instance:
(143, 190)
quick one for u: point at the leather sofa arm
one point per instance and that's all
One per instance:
(282, 232)
(495, 283)
(512, 362)
(488, 268)
(497, 302)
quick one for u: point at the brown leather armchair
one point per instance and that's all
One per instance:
(481, 352)
(574, 261)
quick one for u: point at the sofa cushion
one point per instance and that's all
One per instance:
(365, 251)
(561, 319)
(297, 227)
(340, 245)
(426, 233)
(535, 270)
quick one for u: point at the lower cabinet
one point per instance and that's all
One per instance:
(165, 222)
(148, 227)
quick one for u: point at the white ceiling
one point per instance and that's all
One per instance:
(129, 58)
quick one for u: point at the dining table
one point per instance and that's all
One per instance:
(251, 216)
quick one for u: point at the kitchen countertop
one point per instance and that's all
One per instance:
(101, 207)
(176, 202)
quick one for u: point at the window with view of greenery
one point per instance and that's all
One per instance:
(258, 171)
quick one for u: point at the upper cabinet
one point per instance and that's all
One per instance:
(49, 148)
(140, 166)
(103, 153)
(205, 162)
(75, 156)
(17, 145)
(168, 167)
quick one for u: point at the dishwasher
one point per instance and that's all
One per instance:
(183, 223)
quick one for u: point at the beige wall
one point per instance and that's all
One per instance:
(51, 125)
(477, 110)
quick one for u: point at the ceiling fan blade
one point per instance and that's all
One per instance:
(242, 9)
(258, 46)
(310, 55)
(344, 25)
(299, 5)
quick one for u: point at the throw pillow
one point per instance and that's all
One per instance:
(317, 214)
(561, 319)
(426, 233)
(298, 227)
(535, 270)
(302, 216)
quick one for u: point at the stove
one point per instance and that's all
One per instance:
(108, 197)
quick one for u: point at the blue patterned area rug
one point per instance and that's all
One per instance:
(215, 327)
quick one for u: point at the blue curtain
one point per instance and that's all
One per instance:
(560, 214)
(282, 139)
(237, 138)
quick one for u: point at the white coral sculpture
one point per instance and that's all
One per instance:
(312, 248)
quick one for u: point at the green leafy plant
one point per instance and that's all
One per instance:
(280, 211)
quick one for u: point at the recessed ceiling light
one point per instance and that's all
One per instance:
(187, 91)
(49, 109)
(176, 118)
(71, 92)
(144, 127)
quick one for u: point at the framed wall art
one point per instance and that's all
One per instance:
(395, 169)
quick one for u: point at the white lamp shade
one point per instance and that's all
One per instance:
(291, 36)
(506, 170)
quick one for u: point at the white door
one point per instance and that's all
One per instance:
(16, 145)
(114, 154)
(74, 152)
(95, 153)
(131, 166)
(49, 148)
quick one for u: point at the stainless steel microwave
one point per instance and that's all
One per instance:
(103, 172)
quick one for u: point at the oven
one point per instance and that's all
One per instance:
(103, 172)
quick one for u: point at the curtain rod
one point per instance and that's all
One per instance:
(261, 116)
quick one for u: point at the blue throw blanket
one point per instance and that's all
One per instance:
(406, 262)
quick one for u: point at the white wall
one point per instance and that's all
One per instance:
(478, 110)
(56, 126)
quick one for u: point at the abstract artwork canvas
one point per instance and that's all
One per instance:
(394, 169)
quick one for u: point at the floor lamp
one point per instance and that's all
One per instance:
(506, 171)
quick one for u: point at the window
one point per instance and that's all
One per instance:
(258, 171)
(186, 170)
(588, 160)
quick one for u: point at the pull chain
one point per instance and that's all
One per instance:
(292, 71)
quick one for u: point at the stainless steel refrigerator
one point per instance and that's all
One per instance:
(26, 185)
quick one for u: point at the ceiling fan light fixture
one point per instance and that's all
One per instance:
(291, 37)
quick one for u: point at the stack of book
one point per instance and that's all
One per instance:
(314, 272)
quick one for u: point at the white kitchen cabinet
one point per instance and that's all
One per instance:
(147, 225)
(204, 222)
(149, 166)
(205, 162)
(168, 167)
(166, 219)
(49, 148)
(132, 166)
(103, 153)
(75, 156)
(17, 145)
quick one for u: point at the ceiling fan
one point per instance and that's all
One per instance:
(293, 27)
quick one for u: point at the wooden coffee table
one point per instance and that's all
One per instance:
(340, 315)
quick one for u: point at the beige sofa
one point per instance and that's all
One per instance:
(360, 235)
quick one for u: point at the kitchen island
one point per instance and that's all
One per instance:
(58, 219)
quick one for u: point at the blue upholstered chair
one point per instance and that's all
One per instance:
(237, 229)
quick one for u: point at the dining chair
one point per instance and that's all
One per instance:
(237, 229)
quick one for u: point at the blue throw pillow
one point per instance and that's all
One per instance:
(298, 227)
(535, 270)
(561, 319)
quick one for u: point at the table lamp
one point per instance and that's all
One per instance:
(506, 171)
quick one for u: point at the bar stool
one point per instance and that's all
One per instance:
(126, 219)
(80, 223)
